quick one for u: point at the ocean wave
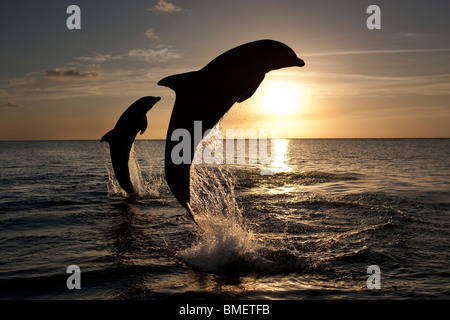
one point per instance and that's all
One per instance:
(252, 178)
(44, 203)
(55, 284)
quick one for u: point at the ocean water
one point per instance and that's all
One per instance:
(309, 230)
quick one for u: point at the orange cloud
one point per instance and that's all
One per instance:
(8, 102)
(164, 6)
(150, 34)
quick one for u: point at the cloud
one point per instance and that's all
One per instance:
(164, 6)
(97, 58)
(149, 33)
(29, 79)
(123, 73)
(160, 54)
(382, 51)
(57, 74)
(333, 85)
(157, 54)
(8, 102)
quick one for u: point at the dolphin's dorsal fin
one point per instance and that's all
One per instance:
(109, 136)
(178, 81)
(143, 124)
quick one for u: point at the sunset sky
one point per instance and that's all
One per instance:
(57, 83)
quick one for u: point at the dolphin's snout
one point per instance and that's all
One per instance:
(150, 98)
(301, 63)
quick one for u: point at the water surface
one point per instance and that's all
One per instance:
(330, 209)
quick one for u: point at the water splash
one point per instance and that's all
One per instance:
(228, 243)
(145, 186)
(225, 238)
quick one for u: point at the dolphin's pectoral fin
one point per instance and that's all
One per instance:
(143, 124)
(109, 136)
(251, 89)
(246, 95)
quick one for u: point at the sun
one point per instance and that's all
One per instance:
(281, 98)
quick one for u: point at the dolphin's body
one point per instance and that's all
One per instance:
(207, 94)
(121, 138)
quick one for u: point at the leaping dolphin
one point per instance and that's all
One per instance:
(207, 94)
(121, 138)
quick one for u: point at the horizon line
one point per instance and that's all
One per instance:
(360, 138)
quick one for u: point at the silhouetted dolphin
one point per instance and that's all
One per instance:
(207, 94)
(121, 138)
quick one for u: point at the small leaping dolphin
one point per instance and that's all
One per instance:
(207, 94)
(121, 138)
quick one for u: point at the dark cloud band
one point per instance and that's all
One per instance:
(70, 74)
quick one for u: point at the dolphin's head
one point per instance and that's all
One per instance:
(286, 58)
(300, 62)
(144, 104)
(278, 55)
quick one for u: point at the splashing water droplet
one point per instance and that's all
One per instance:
(225, 237)
(145, 187)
